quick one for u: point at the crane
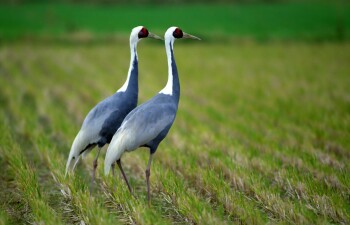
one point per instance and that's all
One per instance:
(149, 123)
(105, 118)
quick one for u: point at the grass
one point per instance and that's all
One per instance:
(310, 21)
(261, 136)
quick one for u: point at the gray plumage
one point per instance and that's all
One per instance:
(149, 123)
(105, 118)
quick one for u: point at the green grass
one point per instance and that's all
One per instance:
(262, 134)
(258, 21)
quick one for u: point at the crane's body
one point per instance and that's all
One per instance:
(149, 123)
(105, 118)
(145, 126)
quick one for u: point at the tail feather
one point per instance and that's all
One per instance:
(115, 149)
(71, 162)
(74, 154)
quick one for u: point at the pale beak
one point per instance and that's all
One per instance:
(150, 35)
(185, 35)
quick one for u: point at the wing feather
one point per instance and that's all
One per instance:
(141, 126)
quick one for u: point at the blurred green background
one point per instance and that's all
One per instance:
(243, 19)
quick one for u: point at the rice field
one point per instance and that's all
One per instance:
(262, 135)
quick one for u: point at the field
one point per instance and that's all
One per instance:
(262, 135)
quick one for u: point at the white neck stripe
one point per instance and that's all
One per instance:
(133, 54)
(168, 89)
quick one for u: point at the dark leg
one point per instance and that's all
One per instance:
(148, 173)
(126, 179)
(113, 172)
(94, 171)
(113, 166)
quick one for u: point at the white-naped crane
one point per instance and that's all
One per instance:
(105, 118)
(149, 123)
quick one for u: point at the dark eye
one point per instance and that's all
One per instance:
(178, 33)
(143, 33)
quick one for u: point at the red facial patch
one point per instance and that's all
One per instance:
(143, 33)
(178, 33)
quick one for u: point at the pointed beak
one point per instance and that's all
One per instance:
(150, 35)
(185, 35)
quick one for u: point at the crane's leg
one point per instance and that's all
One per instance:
(126, 179)
(113, 166)
(94, 171)
(148, 173)
(113, 172)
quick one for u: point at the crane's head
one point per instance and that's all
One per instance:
(141, 32)
(176, 33)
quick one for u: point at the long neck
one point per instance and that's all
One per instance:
(173, 85)
(131, 82)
